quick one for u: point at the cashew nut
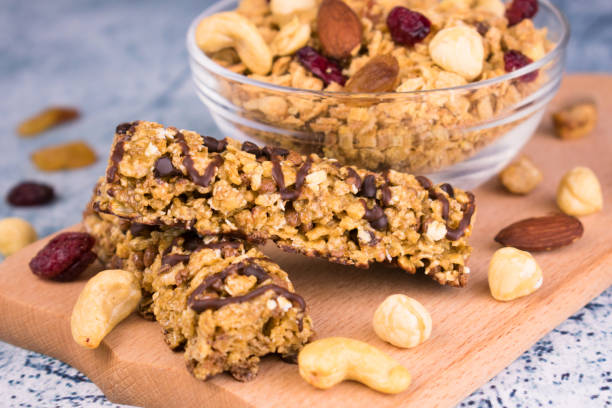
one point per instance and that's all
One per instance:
(291, 38)
(284, 7)
(327, 362)
(107, 299)
(230, 29)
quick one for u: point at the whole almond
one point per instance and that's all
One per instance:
(541, 233)
(339, 29)
(378, 75)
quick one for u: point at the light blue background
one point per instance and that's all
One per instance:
(124, 60)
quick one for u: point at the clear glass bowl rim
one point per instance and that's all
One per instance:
(201, 58)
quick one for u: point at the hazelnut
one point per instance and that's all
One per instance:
(521, 176)
(513, 273)
(458, 49)
(579, 192)
(402, 321)
(576, 121)
(15, 234)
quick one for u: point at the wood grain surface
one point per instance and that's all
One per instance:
(473, 338)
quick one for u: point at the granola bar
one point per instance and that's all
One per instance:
(306, 204)
(222, 300)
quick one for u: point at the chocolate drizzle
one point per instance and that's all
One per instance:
(452, 234)
(242, 268)
(125, 130)
(202, 180)
(424, 182)
(455, 233)
(200, 304)
(434, 195)
(448, 189)
(252, 148)
(279, 178)
(173, 259)
(138, 230)
(214, 145)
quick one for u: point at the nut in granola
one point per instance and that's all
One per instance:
(458, 49)
(232, 30)
(291, 38)
(378, 75)
(339, 29)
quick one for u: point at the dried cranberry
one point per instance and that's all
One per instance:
(326, 69)
(514, 60)
(30, 193)
(520, 10)
(407, 27)
(64, 257)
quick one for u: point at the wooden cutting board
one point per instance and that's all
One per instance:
(473, 338)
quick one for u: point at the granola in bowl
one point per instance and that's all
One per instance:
(411, 85)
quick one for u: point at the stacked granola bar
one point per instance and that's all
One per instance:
(221, 300)
(183, 213)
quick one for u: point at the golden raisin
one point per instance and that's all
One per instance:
(65, 156)
(46, 119)
(378, 75)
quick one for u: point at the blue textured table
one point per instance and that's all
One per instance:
(120, 61)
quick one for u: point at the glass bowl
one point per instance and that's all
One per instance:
(462, 135)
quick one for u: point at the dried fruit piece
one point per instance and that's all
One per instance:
(339, 28)
(575, 121)
(521, 176)
(30, 193)
(513, 274)
(320, 66)
(15, 234)
(519, 10)
(65, 156)
(458, 49)
(579, 192)
(64, 257)
(46, 119)
(541, 233)
(514, 60)
(407, 27)
(378, 75)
